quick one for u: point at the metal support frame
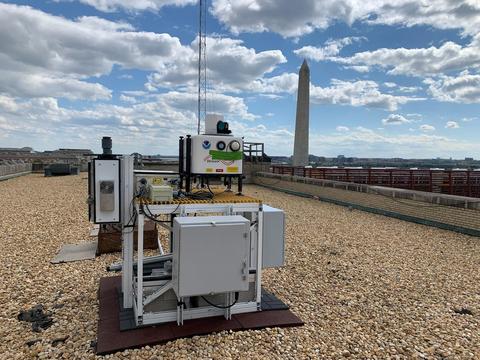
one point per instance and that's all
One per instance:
(182, 313)
(133, 286)
(168, 285)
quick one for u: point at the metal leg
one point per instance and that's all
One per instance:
(228, 300)
(180, 306)
(127, 233)
(181, 311)
(127, 268)
(141, 223)
(240, 185)
(258, 281)
(170, 250)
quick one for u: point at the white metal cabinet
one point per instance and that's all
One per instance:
(210, 255)
(106, 183)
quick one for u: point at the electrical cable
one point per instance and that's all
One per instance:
(133, 224)
(132, 217)
(220, 306)
(161, 221)
(200, 195)
(210, 190)
(150, 216)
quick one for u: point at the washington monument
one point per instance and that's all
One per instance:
(300, 149)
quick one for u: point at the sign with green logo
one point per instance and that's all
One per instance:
(223, 155)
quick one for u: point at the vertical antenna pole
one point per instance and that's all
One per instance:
(202, 63)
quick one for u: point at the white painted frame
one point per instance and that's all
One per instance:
(133, 287)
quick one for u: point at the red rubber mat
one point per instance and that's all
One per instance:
(110, 339)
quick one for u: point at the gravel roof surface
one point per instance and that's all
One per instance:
(366, 286)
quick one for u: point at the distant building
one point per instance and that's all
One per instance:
(39, 160)
(469, 159)
(73, 152)
(23, 150)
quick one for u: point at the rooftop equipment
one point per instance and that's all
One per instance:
(219, 241)
(215, 155)
(61, 169)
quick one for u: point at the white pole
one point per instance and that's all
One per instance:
(259, 255)
(126, 191)
(141, 221)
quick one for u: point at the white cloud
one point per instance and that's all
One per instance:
(418, 61)
(358, 93)
(358, 68)
(291, 19)
(342, 128)
(38, 85)
(465, 88)
(355, 93)
(276, 140)
(153, 123)
(340, 92)
(440, 14)
(218, 103)
(403, 89)
(364, 142)
(271, 96)
(45, 55)
(331, 48)
(80, 49)
(230, 66)
(156, 119)
(415, 116)
(409, 89)
(96, 23)
(395, 119)
(427, 128)
(134, 5)
(8, 104)
(127, 99)
(284, 83)
(452, 125)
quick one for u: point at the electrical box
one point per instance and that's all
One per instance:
(217, 155)
(105, 183)
(273, 242)
(160, 192)
(210, 255)
(160, 184)
(273, 249)
(155, 177)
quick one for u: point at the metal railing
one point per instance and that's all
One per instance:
(453, 182)
(14, 169)
(254, 152)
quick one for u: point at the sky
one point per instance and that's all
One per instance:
(389, 78)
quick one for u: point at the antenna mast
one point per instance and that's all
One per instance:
(202, 63)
